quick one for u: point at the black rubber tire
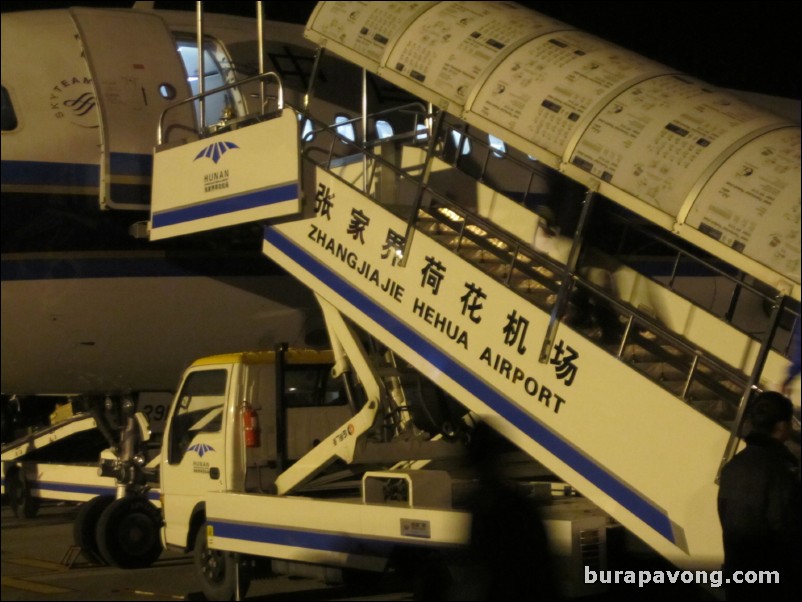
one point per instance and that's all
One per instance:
(18, 491)
(84, 528)
(362, 581)
(433, 580)
(128, 533)
(216, 570)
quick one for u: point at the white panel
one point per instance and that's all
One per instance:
(546, 89)
(752, 202)
(480, 341)
(446, 53)
(656, 139)
(362, 30)
(232, 178)
(128, 68)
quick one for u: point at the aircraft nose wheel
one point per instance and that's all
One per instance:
(128, 533)
(85, 527)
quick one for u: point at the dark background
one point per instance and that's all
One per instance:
(752, 46)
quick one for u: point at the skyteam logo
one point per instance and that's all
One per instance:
(201, 449)
(216, 150)
(73, 99)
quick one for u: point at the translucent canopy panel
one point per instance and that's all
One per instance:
(664, 145)
(362, 31)
(436, 50)
(450, 48)
(546, 91)
(751, 203)
(656, 139)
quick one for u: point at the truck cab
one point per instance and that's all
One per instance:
(236, 422)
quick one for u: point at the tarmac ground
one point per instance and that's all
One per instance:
(34, 552)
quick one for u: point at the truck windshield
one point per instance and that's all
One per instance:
(200, 410)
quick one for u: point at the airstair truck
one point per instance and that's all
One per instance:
(423, 239)
(261, 460)
(268, 456)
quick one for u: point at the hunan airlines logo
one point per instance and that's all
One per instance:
(215, 180)
(216, 150)
(201, 449)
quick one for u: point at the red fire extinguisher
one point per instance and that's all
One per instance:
(250, 426)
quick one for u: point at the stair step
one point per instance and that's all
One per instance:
(646, 351)
(717, 409)
(525, 284)
(435, 227)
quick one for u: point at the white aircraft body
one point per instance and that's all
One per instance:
(89, 305)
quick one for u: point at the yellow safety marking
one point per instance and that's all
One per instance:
(158, 595)
(39, 564)
(32, 586)
(116, 179)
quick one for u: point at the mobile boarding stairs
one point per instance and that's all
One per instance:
(449, 280)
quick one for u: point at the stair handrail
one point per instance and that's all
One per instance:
(739, 284)
(512, 242)
(202, 132)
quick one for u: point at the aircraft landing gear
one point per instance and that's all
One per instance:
(122, 533)
(128, 533)
(84, 529)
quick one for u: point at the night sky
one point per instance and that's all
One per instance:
(751, 46)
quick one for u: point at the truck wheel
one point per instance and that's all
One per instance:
(84, 529)
(217, 570)
(18, 490)
(362, 581)
(433, 580)
(128, 533)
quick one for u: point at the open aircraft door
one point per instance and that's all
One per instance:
(136, 73)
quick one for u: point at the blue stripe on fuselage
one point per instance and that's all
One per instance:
(42, 173)
(54, 173)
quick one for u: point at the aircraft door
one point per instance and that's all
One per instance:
(137, 73)
(194, 452)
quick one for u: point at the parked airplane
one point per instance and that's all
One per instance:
(130, 90)
(86, 298)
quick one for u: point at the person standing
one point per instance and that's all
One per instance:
(759, 505)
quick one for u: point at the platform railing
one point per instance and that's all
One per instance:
(704, 382)
(262, 113)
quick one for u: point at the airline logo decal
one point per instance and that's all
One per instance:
(73, 99)
(216, 150)
(201, 448)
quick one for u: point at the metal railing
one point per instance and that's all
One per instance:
(482, 152)
(202, 129)
(693, 376)
(764, 294)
